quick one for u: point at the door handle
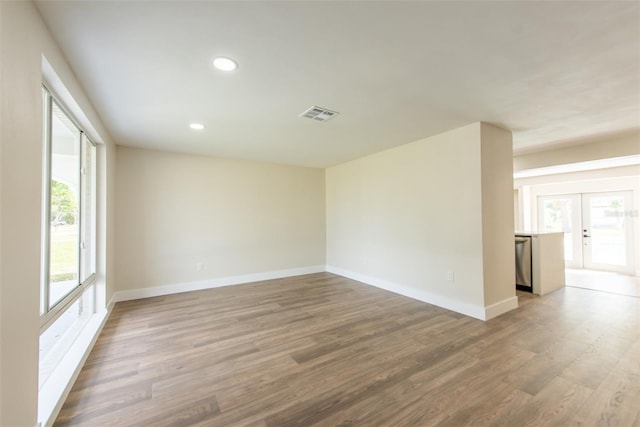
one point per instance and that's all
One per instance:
(585, 235)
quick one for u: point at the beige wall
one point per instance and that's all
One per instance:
(21, 156)
(619, 145)
(235, 217)
(497, 222)
(405, 217)
(24, 41)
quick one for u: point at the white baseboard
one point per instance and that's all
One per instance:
(476, 311)
(112, 301)
(471, 310)
(495, 310)
(213, 283)
(424, 296)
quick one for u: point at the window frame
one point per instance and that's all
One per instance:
(50, 313)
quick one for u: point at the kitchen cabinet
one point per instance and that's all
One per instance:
(547, 261)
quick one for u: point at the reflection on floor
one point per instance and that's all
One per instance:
(604, 281)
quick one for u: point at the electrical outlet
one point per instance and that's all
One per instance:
(200, 266)
(450, 276)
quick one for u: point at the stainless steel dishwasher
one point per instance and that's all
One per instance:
(524, 280)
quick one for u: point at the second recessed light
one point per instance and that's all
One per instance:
(224, 63)
(196, 126)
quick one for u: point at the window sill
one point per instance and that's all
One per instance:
(55, 390)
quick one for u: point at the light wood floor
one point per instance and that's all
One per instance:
(322, 350)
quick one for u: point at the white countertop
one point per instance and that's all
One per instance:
(530, 234)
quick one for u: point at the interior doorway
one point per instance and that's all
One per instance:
(598, 228)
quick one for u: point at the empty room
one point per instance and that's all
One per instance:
(319, 213)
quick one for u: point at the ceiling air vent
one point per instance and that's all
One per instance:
(318, 113)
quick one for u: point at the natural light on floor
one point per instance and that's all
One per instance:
(615, 283)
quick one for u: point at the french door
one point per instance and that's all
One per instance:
(598, 228)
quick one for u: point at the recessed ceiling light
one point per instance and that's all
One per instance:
(225, 64)
(196, 126)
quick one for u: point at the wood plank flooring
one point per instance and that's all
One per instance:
(322, 350)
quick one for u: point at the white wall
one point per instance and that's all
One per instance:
(403, 218)
(24, 41)
(237, 218)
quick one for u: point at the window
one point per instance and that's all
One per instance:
(69, 229)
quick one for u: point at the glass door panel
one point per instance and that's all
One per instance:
(64, 261)
(562, 214)
(598, 228)
(608, 231)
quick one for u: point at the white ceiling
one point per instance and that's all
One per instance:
(396, 72)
